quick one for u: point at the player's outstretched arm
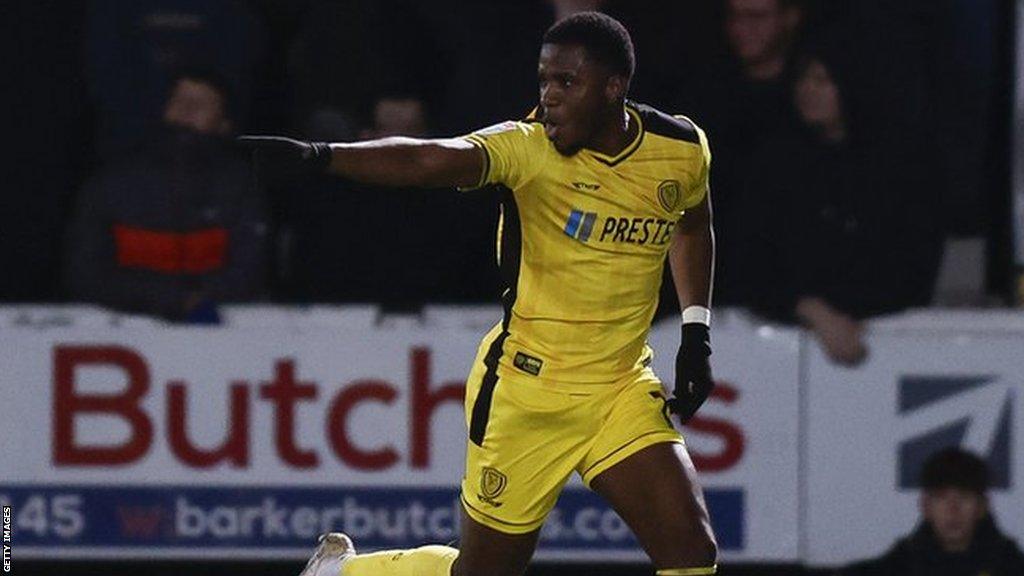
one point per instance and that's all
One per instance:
(396, 161)
(691, 258)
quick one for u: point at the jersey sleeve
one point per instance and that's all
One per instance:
(513, 150)
(700, 182)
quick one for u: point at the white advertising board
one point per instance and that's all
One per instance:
(869, 430)
(151, 441)
(746, 438)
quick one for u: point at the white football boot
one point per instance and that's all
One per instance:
(334, 550)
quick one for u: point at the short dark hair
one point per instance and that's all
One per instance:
(604, 38)
(955, 468)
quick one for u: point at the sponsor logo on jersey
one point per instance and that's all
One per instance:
(618, 229)
(641, 231)
(580, 224)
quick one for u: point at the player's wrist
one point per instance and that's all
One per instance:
(696, 314)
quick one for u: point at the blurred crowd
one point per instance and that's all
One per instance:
(852, 141)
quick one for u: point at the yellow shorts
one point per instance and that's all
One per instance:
(527, 438)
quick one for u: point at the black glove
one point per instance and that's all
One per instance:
(693, 371)
(277, 158)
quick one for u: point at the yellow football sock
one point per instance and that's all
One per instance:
(688, 571)
(422, 561)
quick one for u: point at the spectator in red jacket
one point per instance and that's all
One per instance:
(177, 227)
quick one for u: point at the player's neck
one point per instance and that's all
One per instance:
(616, 134)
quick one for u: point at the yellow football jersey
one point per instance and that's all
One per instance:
(582, 244)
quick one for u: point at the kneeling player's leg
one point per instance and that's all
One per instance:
(482, 551)
(422, 561)
(656, 492)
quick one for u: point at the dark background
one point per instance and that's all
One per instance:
(75, 70)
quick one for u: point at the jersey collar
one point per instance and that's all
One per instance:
(628, 150)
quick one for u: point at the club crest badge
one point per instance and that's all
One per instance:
(669, 194)
(492, 485)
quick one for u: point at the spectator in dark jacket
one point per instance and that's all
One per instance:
(745, 95)
(178, 227)
(957, 535)
(742, 99)
(837, 223)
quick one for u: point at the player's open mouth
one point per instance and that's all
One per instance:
(550, 129)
